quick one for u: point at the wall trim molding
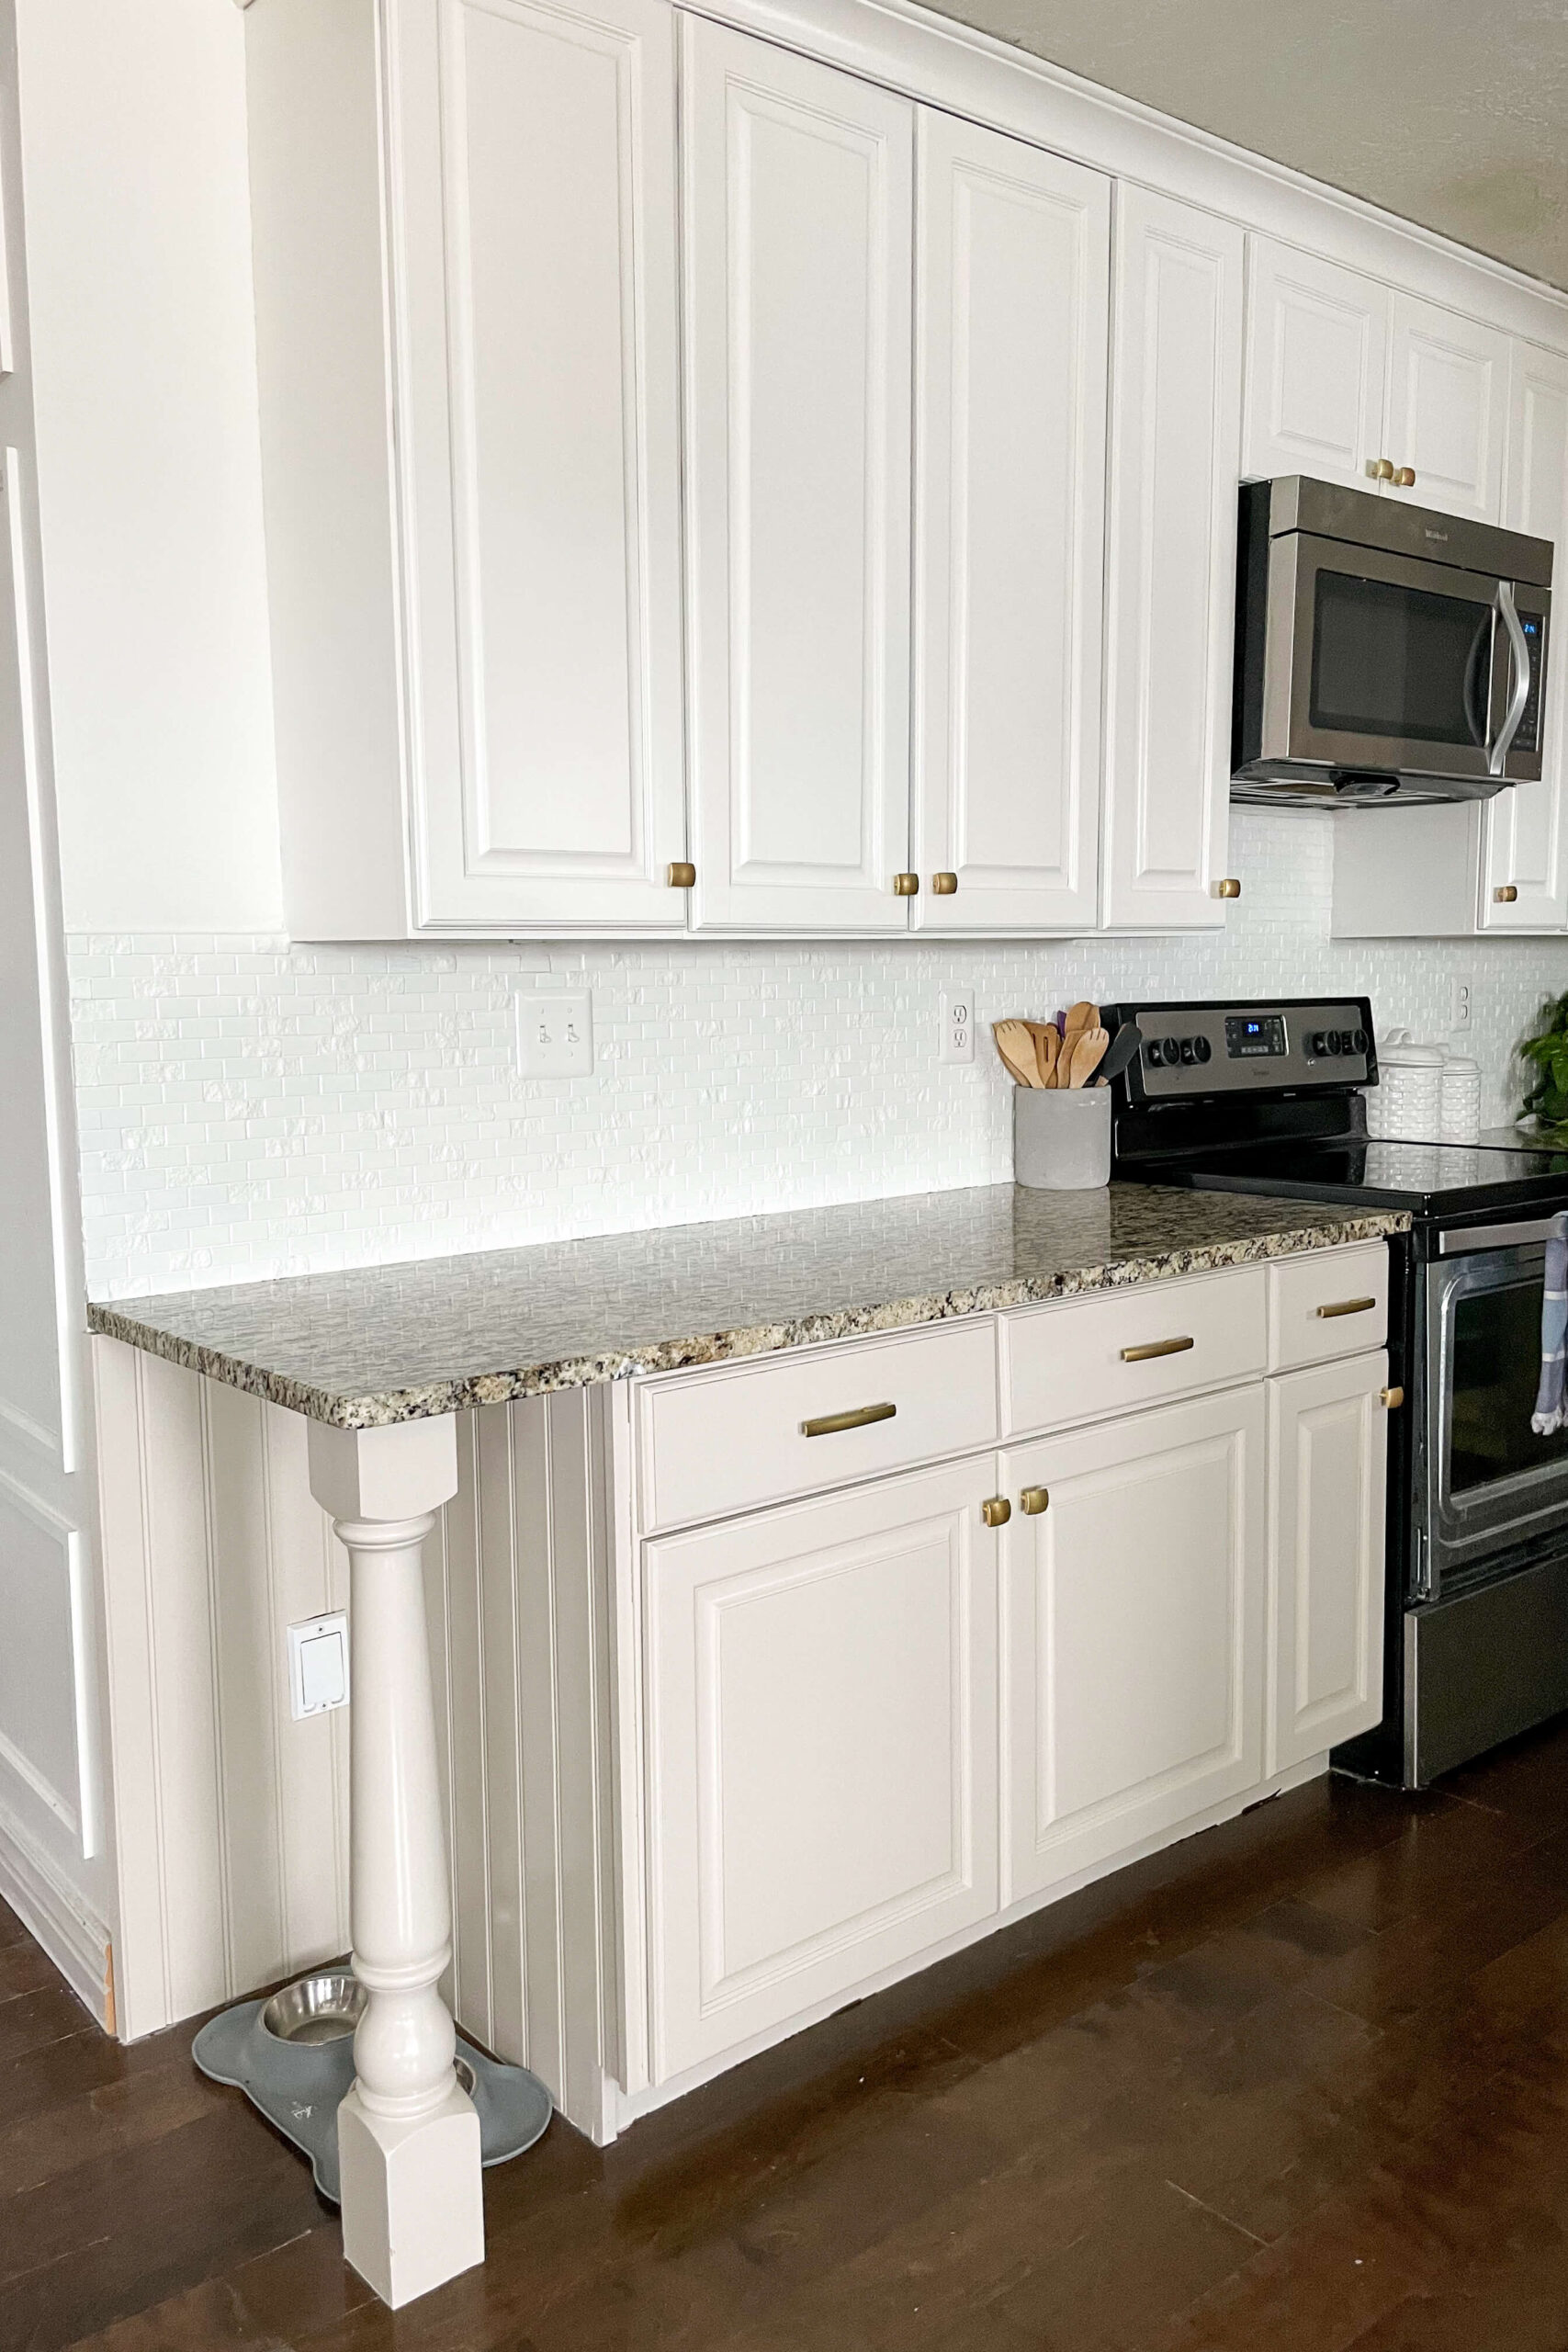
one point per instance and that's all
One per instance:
(76, 1940)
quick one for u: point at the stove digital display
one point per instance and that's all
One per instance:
(1253, 1034)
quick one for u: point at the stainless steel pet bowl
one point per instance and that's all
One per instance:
(316, 2008)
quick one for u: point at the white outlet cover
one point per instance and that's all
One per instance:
(957, 1026)
(555, 1033)
(318, 1665)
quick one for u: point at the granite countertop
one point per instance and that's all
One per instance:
(398, 1343)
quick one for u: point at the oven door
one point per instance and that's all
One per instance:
(1384, 663)
(1489, 1485)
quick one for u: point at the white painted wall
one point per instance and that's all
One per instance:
(149, 462)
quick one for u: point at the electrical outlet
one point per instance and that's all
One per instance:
(1458, 1004)
(318, 1665)
(957, 1027)
(555, 1034)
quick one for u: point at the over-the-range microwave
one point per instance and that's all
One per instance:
(1383, 653)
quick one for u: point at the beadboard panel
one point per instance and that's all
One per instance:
(233, 1819)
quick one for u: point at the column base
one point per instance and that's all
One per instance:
(412, 2207)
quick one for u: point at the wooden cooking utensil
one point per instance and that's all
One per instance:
(1048, 1049)
(1089, 1052)
(1079, 1017)
(1016, 1047)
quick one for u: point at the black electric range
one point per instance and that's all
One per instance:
(1271, 1097)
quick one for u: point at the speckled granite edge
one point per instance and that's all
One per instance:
(424, 1401)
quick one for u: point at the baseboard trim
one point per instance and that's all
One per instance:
(53, 1911)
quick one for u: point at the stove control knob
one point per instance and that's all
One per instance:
(1202, 1049)
(1188, 1055)
(1358, 1041)
(1317, 1044)
(1335, 1042)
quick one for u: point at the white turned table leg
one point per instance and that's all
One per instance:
(407, 2136)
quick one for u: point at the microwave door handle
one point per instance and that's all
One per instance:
(1520, 672)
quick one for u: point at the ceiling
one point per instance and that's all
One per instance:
(1453, 113)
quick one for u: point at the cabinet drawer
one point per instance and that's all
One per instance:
(1087, 1357)
(1328, 1303)
(729, 1440)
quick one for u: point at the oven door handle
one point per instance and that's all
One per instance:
(1470, 1239)
(1519, 675)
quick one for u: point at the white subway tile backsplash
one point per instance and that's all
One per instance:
(250, 1108)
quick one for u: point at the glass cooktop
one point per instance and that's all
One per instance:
(1429, 1178)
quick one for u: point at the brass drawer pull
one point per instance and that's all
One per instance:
(1506, 893)
(1380, 469)
(681, 876)
(944, 886)
(996, 1511)
(1229, 889)
(906, 886)
(1405, 479)
(1346, 1306)
(1033, 1501)
(828, 1424)
(1393, 1397)
(1155, 1348)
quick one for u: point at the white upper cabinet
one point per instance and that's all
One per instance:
(1447, 410)
(1012, 283)
(1170, 567)
(1526, 850)
(1318, 362)
(799, 224)
(534, 170)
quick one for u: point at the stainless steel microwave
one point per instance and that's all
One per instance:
(1383, 653)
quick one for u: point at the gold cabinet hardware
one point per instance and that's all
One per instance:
(1380, 469)
(1347, 1306)
(829, 1424)
(906, 886)
(1405, 478)
(1393, 1397)
(681, 877)
(1229, 889)
(1033, 1501)
(995, 1510)
(1155, 1348)
(1505, 894)
(944, 886)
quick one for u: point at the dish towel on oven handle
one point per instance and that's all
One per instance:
(1551, 1412)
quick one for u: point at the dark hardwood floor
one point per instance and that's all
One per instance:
(1300, 2083)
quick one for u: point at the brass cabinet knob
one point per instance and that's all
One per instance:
(1405, 478)
(1505, 894)
(1229, 889)
(1380, 469)
(681, 877)
(944, 886)
(906, 886)
(1393, 1397)
(1033, 1501)
(995, 1510)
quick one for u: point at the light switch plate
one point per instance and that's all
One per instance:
(555, 1033)
(318, 1665)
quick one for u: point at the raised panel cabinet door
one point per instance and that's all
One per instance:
(1447, 409)
(533, 165)
(1526, 845)
(1327, 1477)
(1316, 364)
(1011, 303)
(821, 1733)
(1132, 1632)
(799, 224)
(1170, 567)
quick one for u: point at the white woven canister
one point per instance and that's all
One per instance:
(1407, 1102)
(1460, 1112)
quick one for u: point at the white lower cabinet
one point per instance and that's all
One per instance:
(822, 1751)
(1132, 1631)
(1327, 1475)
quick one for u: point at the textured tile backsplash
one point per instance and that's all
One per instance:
(248, 1108)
